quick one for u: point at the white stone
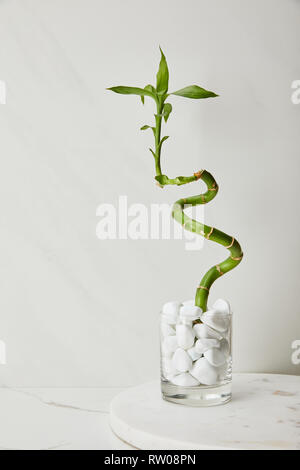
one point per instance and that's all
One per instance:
(222, 371)
(167, 330)
(184, 321)
(168, 367)
(170, 319)
(190, 312)
(171, 308)
(215, 320)
(189, 302)
(170, 377)
(170, 312)
(181, 360)
(215, 357)
(224, 347)
(204, 344)
(194, 354)
(185, 336)
(204, 372)
(169, 345)
(185, 380)
(222, 306)
(204, 331)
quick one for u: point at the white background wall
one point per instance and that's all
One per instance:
(75, 311)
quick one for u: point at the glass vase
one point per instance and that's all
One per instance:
(196, 359)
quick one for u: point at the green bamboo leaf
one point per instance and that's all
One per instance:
(162, 77)
(164, 138)
(195, 92)
(162, 141)
(129, 90)
(149, 88)
(145, 127)
(153, 153)
(167, 109)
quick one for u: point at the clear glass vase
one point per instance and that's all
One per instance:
(196, 360)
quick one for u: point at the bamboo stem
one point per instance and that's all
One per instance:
(157, 134)
(206, 231)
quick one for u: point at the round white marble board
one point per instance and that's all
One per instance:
(263, 414)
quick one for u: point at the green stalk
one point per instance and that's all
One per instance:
(158, 119)
(210, 233)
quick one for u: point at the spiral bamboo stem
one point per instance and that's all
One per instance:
(210, 233)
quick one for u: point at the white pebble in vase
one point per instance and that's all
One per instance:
(190, 312)
(222, 306)
(184, 321)
(185, 380)
(168, 367)
(216, 320)
(204, 372)
(204, 344)
(224, 347)
(181, 360)
(170, 312)
(194, 354)
(215, 357)
(204, 331)
(222, 371)
(169, 345)
(167, 330)
(185, 336)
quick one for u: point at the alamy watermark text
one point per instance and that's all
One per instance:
(140, 222)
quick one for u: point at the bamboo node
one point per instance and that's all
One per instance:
(232, 242)
(238, 258)
(209, 234)
(219, 270)
(203, 287)
(198, 174)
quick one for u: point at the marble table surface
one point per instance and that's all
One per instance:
(265, 413)
(56, 418)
